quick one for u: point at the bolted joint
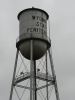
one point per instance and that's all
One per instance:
(54, 79)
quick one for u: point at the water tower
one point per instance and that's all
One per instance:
(33, 44)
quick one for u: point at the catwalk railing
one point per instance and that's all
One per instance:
(34, 36)
(41, 76)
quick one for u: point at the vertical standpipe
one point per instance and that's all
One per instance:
(32, 74)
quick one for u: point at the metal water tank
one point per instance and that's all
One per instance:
(33, 26)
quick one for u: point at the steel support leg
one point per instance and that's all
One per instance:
(46, 76)
(54, 76)
(11, 92)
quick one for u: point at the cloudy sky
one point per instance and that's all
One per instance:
(62, 34)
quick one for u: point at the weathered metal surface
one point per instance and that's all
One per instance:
(33, 22)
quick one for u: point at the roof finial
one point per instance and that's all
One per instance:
(32, 7)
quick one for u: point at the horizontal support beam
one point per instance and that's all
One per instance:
(36, 89)
(44, 86)
(22, 86)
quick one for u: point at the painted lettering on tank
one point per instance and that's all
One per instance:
(38, 25)
(39, 30)
(39, 18)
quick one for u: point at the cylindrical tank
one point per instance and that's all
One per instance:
(33, 25)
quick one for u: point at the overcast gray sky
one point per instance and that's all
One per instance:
(62, 34)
